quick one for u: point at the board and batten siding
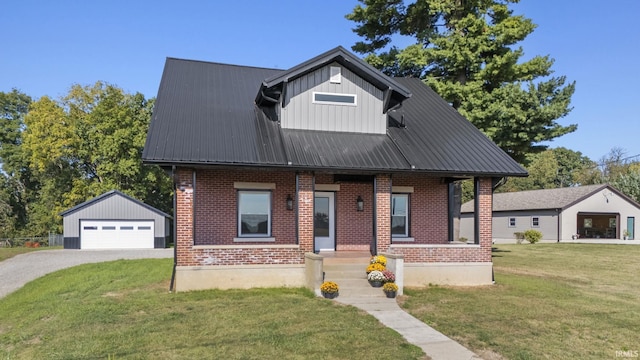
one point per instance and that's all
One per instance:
(300, 112)
(114, 208)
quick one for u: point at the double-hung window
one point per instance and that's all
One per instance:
(400, 215)
(254, 213)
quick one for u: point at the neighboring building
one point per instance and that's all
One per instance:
(585, 212)
(272, 166)
(115, 220)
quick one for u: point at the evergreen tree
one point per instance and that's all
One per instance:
(466, 50)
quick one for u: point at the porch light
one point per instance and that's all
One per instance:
(289, 202)
(360, 203)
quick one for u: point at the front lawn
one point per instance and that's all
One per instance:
(550, 301)
(123, 310)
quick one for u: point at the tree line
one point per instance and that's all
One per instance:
(57, 153)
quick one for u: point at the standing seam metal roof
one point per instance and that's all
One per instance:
(205, 114)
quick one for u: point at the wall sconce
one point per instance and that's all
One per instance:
(360, 203)
(183, 185)
(289, 202)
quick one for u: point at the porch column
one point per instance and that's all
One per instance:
(383, 212)
(305, 211)
(484, 218)
(184, 216)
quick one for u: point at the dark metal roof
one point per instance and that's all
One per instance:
(107, 195)
(346, 59)
(205, 114)
(437, 138)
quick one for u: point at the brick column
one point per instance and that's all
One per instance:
(383, 212)
(305, 212)
(184, 216)
(485, 217)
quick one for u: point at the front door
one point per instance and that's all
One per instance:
(324, 221)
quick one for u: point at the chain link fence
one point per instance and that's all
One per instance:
(34, 241)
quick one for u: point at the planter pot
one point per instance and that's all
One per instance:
(390, 294)
(376, 283)
(330, 295)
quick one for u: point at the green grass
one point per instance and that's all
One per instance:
(123, 310)
(6, 252)
(550, 301)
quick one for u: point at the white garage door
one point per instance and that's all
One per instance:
(116, 234)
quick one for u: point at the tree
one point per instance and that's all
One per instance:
(17, 183)
(466, 51)
(87, 143)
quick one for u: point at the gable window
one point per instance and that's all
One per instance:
(400, 215)
(512, 222)
(535, 221)
(334, 98)
(254, 213)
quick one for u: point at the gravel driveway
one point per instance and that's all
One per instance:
(20, 269)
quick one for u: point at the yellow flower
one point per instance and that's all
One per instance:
(379, 259)
(329, 287)
(375, 267)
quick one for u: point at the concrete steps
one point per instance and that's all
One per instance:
(351, 277)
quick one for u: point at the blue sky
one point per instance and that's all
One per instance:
(50, 45)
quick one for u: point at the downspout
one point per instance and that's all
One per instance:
(558, 220)
(175, 230)
(373, 249)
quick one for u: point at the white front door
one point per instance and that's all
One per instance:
(324, 221)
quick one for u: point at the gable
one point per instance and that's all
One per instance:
(347, 104)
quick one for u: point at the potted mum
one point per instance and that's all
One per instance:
(378, 259)
(375, 278)
(389, 276)
(329, 289)
(375, 267)
(390, 289)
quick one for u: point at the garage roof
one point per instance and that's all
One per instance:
(108, 195)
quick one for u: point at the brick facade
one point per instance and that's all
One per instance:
(417, 253)
(210, 241)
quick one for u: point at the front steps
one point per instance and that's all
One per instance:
(351, 276)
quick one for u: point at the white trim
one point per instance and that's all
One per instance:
(254, 186)
(254, 239)
(402, 239)
(335, 76)
(402, 189)
(247, 246)
(534, 225)
(327, 187)
(239, 213)
(355, 99)
(434, 246)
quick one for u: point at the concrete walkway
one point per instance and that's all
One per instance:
(433, 343)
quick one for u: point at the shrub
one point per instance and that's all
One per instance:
(329, 287)
(375, 267)
(389, 287)
(519, 236)
(532, 236)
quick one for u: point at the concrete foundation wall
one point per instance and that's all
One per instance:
(239, 277)
(458, 274)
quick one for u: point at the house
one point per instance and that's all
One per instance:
(115, 220)
(272, 168)
(585, 212)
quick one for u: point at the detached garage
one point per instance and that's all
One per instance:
(114, 220)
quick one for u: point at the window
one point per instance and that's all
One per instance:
(512, 222)
(334, 99)
(254, 213)
(108, 228)
(126, 227)
(400, 215)
(144, 227)
(535, 221)
(90, 227)
(335, 75)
